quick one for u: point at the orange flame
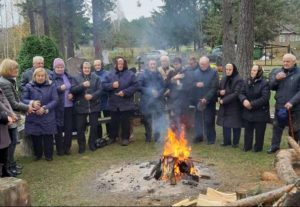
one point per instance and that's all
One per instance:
(176, 151)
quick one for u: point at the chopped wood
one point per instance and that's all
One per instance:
(186, 202)
(295, 146)
(284, 165)
(204, 200)
(269, 176)
(267, 197)
(220, 196)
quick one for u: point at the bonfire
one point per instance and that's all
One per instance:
(175, 162)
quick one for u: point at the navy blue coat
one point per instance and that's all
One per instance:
(59, 111)
(104, 95)
(47, 95)
(149, 81)
(128, 84)
(82, 106)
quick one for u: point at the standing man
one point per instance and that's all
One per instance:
(37, 62)
(165, 67)
(206, 83)
(101, 73)
(286, 82)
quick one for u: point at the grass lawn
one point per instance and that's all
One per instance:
(64, 181)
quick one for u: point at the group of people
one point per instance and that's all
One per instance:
(52, 98)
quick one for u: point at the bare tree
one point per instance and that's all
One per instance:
(96, 4)
(61, 25)
(245, 42)
(228, 47)
(30, 13)
(69, 7)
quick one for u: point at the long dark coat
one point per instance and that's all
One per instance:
(256, 91)
(230, 112)
(47, 95)
(82, 106)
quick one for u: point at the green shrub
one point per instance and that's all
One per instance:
(37, 46)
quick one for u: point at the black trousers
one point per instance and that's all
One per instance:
(3, 161)
(120, 118)
(259, 129)
(42, 144)
(227, 136)
(13, 134)
(63, 143)
(81, 122)
(100, 130)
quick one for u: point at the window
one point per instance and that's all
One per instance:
(282, 38)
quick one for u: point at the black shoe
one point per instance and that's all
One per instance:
(111, 141)
(19, 167)
(257, 150)
(272, 150)
(235, 145)
(81, 151)
(7, 173)
(246, 149)
(60, 153)
(48, 159)
(125, 142)
(15, 171)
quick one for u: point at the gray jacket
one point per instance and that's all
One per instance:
(8, 87)
(288, 89)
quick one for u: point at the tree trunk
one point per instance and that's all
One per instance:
(70, 26)
(31, 17)
(61, 25)
(45, 17)
(228, 47)
(96, 28)
(245, 42)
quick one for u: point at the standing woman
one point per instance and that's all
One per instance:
(7, 117)
(255, 97)
(64, 108)
(9, 72)
(230, 112)
(41, 125)
(87, 91)
(121, 84)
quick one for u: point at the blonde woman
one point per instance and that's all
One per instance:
(9, 72)
(41, 125)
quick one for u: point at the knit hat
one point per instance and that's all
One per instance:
(58, 62)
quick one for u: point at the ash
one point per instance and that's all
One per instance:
(129, 178)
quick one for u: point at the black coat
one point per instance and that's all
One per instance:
(288, 89)
(257, 92)
(59, 111)
(82, 106)
(230, 112)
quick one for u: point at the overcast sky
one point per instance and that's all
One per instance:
(132, 11)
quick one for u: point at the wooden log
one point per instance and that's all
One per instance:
(295, 146)
(284, 165)
(220, 196)
(204, 200)
(269, 176)
(14, 192)
(267, 197)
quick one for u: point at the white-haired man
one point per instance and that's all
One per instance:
(165, 67)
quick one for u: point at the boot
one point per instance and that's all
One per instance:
(6, 172)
